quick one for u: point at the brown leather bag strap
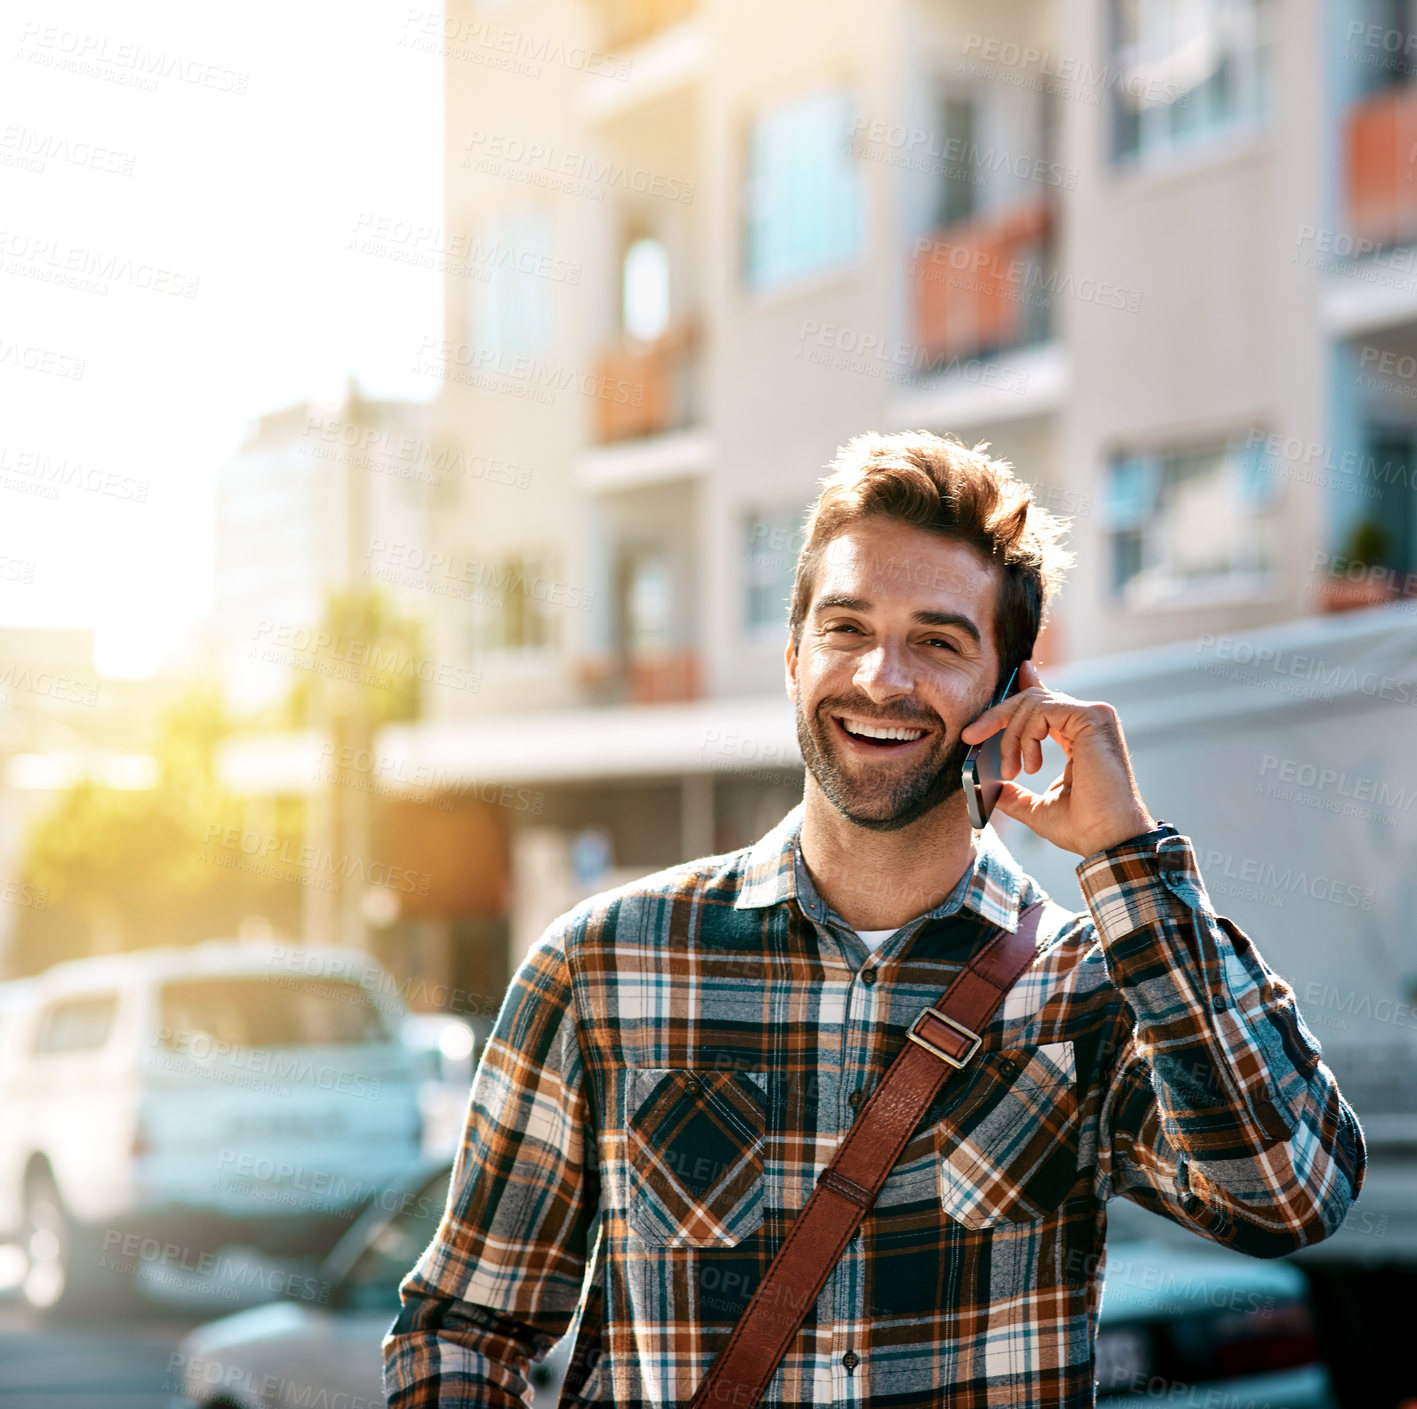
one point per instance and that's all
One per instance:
(941, 1040)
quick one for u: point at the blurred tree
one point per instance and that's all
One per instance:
(185, 860)
(365, 661)
(176, 863)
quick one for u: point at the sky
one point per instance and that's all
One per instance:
(180, 191)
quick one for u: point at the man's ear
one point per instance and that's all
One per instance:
(789, 658)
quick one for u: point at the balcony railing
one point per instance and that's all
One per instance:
(1379, 173)
(630, 22)
(981, 284)
(647, 388)
(661, 678)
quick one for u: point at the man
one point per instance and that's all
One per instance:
(677, 1060)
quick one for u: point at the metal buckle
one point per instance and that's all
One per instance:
(974, 1037)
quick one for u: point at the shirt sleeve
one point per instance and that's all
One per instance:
(501, 1280)
(1219, 1111)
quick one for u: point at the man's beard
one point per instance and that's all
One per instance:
(877, 803)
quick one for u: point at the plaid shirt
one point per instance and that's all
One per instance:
(677, 1060)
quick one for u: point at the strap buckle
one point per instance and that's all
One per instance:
(975, 1040)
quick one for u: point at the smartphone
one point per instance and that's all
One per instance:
(983, 776)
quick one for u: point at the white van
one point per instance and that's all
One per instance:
(155, 1104)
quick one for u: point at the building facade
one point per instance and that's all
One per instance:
(1145, 251)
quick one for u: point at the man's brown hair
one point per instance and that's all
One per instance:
(937, 484)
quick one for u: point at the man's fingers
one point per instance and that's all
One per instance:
(1022, 737)
(1017, 802)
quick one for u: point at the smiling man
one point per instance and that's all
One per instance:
(677, 1061)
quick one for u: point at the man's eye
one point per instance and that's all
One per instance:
(942, 641)
(843, 626)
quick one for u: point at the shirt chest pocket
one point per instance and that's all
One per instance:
(1008, 1152)
(694, 1155)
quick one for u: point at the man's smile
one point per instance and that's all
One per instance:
(871, 736)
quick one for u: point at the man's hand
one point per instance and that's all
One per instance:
(1094, 803)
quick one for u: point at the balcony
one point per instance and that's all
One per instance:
(659, 382)
(660, 678)
(1379, 139)
(980, 285)
(630, 22)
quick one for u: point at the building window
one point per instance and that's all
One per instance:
(646, 606)
(957, 195)
(1380, 37)
(804, 207)
(515, 600)
(644, 290)
(772, 541)
(1185, 71)
(77, 1025)
(1187, 525)
(513, 315)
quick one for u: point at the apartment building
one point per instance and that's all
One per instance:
(1151, 253)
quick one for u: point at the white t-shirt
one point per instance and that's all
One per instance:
(875, 938)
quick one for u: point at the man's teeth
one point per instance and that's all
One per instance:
(880, 731)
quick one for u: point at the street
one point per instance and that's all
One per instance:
(117, 1364)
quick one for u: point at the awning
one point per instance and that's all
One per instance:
(744, 735)
(739, 735)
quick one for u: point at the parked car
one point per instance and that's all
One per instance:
(1205, 1327)
(445, 1049)
(299, 1351)
(162, 1103)
(1192, 1329)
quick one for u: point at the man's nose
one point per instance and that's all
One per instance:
(883, 672)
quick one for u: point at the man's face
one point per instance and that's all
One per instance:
(900, 637)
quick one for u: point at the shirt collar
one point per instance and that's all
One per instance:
(994, 890)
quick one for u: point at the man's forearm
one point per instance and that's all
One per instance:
(449, 1353)
(1265, 1154)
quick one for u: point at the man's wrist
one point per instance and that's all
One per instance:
(1138, 826)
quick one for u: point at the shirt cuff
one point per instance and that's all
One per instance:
(1138, 882)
